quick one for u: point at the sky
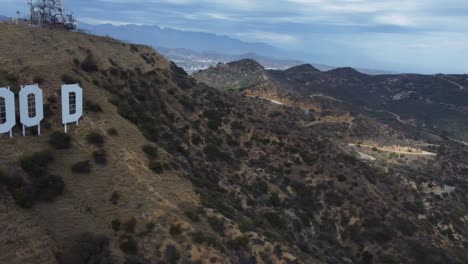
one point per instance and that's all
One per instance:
(424, 36)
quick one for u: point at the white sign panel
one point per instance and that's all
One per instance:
(8, 106)
(31, 107)
(72, 104)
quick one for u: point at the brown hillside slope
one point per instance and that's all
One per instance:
(37, 235)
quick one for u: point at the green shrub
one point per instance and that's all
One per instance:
(24, 197)
(115, 198)
(130, 225)
(192, 215)
(150, 226)
(81, 167)
(92, 106)
(187, 102)
(133, 48)
(76, 61)
(148, 59)
(274, 199)
(48, 188)
(95, 138)
(215, 119)
(60, 140)
(237, 125)
(128, 245)
(198, 237)
(40, 186)
(213, 153)
(36, 164)
(245, 226)
(238, 243)
(116, 224)
(259, 187)
(275, 114)
(88, 248)
(217, 224)
(333, 198)
(89, 64)
(175, 230)
(406, 227)
(416, 207)
(150, 151)
(171, 255)
(38, 80)
(67, 79)
(100, 157)
(276, 220)
(156, 167)
(309, 159)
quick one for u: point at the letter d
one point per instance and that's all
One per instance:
(72, 104)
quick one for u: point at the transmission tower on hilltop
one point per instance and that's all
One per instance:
(50, 13)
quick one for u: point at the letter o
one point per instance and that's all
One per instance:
(25, 92)
(9, 100)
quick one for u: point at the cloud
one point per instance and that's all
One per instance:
(269, 37)
(394, 19)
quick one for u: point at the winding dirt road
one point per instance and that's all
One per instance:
(452, 82)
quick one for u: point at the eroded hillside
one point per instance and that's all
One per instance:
(163, 169)
(409, 151)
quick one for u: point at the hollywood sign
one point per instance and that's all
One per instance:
(31, 107)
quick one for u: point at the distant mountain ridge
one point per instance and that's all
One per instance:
(167, 37)
(196, 51)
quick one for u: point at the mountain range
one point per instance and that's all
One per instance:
(156, 36)
(435, 103)
(196, 51)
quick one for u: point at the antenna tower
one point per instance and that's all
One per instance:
(50, 13)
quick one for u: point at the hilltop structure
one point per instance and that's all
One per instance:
(50, 14)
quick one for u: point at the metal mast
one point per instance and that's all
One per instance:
(49, 13)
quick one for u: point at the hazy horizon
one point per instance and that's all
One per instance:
(403, 36)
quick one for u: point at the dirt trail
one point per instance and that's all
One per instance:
(452, 82)
(421, 153)
(459, 141)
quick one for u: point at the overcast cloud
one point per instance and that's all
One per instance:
(401, 35)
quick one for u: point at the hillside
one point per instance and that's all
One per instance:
(435, 104)
(164, 169)
(350, 108)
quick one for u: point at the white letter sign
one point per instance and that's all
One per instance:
(31, 107)
(72, 104)
(7, 111)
